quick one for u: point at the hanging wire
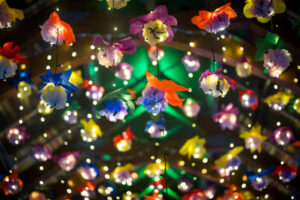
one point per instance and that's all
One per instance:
(212, 43)
(56, 56)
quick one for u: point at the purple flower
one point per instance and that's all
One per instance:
(115, 109)
(191, 63)
(41, 152)
(123, 71)
(227, 117)
(17, 135)
(218, 23)
(287, 176)
(276, 61)
(282, 136)
(234, 163)
(5, 17)
(262, 8)
(259, 183)
(153, 100)
(156, 128)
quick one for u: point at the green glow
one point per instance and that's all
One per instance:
(171, 111)
(173, 174)
(172, 194)
(106, 157)
(145, 192)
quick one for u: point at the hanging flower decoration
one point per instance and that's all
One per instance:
(154, 196)
(228, 117)
(130, 196)
(124, 174)
(286, 173)
(94, 92)
(282, 136)
(41, 152)
(215, 83)
(89, 171)
(253, 138)
(116, 105)
(158, 94)
(191, 63)
(195, 194)
(123, 142)
(231, 194)
(17, 135)
(117, 4)
(155, 169)
(191, 108)
(23, 83)
(67, 161)
(87, 190)
(259, 181)
(37, 195)
(276, 61)
(193, 147)
(11, 184)
(70, 114)
(76, 78)
(91, 131)
(184, 185)
(9, 57)
(215, 21)
(154, 27)
(244, 68)
(55, 30)
(263, 10)
(155, 53)
(44, 108)
(106, 189)
(111, 54)
(123, 71)
(248, 99)
(296, 105)
(158, 184)
(156, 128)
(210, 191)
(278, 100)
(9, 15)
(56, 89)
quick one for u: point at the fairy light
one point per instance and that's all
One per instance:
(88, 160)
(69, 191)
(92, 147)
(66, 143)
(194, 125)
(204, 171)
(41, 168)
(222, 36)
(193, 164)
(21, 107)
(158, 160)
(62, 181)
(89, 115)
(254, 156)
(20, 121)
(242, 48)
(222, 180)
(42, 119)
(115, 28)
(74, 54)
(282, 162)
(223, 48)
(295, 80)
(224, 60)
(92, 47)
(190, 75)
(189, 53)
(105, 168)
(249, 125)
(231, 145)
(106, 176)
(278, 123)
(244, 185)
(93, 57)
(125, 82)
(49, 57)
(259, 170)
(41, 182)
(192, 44)
(275, 87)
(48, 67)
(266, 196)
(181, 163)
(152, 157)
(204, 160)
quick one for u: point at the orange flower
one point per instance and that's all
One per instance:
(169, 87)
(231, 193)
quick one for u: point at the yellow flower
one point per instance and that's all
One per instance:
(253, 138)
(155, 32)
(296, 105)
(24, 90)
(155, 169)
(193, 147)
(278, 100)
(117, 4)
(91, 130)
(44, 108)
(76, 78)
(223, 160)
(12, 12)
(54, 95)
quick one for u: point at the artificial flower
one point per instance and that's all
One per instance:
(215, 21)
(191, 108)
(258, 180)
(106, 189)
(248, 99)
(56, 89)
(37, 195)
(157, 94)
(158, 184)
(123, 71)
(296, 105)
(263, 10)
(155, 53)
(156, 128)
(154, 196)
(215, 83)
(285, 173)
(130, 196)
(184, 185)
(41, 152)
(123, 174)
(276, 61)
(87, 190)
(282, 136)
(9, 57)
(123, 142)
(89, 171)
(244, 68)
(154, 27)
(76, 78)
(227, 117)
(17, 135)
(278, 100)
(193, 147)
(94, 92)
(155, 169)
(70, 114)
(91, 131)
(224, 161)
(111, 54)
(11, 184)
(210, 191)
(195, 194)
(191, 63)
(23, 83)
(253, 138)
(117, 4)
(8, 15)
(44, 108)
(55, 31)
(67, 161)
(231, 194)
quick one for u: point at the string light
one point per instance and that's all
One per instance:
(204, 160)
(275, 87)
(93, 57)
(69, 191)
(41, 182)
(92, 47)
(192, 44)
(204, 171)
(244, 185)
(74, 54)
(49, 57)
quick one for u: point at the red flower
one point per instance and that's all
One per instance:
(12, 53)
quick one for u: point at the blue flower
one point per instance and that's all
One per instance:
(115, 109)
(153, 100)
(156, 128)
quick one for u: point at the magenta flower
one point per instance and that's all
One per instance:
(282, 136)
(227, 117)
(154, 27)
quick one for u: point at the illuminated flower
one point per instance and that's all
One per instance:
(184, 185)
(197, 194)
(286, 173)
(94, 92)
(17, 136)
(87, 190)
(259, 181)
(67, 161)
(23, 83)
(248, 99)
(41, 152)
(191, 108)
(76, 78)
(70, 114)
(191, 63)
(130, 196)
(117, 4)
(24, 90)
(253, 138)
(296, 105)
(11, 184)
(55, 31)
(156, 128)
(111, 54)
(91, 131)
(215, 21)
(123, 71)
(282, 136)
(231, 194)
(124, 174)
(8, 15)
(44, 108)
(115, 110)
(228, 117)
(276, 61)
(155, 169)
(89, 171)
(210, 191)
(263, 10)
(106, 189)
(158, 184)
(244, 68)
(154, 27)
(9, 57)
(154, 196)
(37, 195)
(215, 84)
(193, 147)
(157, 94)
(123, 142)
(56, 89)
(278, 100)
(155, 53)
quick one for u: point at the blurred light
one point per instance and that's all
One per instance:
(192, 44)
